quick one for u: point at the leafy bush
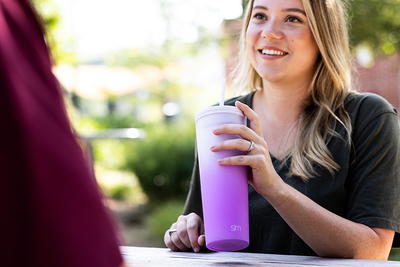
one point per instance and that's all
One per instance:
(394, 254)
(163, 161)
(118, 192)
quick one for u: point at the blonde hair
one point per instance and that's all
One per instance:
(330, 85)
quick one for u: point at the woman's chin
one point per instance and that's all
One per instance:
(274, 78)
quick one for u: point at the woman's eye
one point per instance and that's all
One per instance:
(293, 19)
(259, 16)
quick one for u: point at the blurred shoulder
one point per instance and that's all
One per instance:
(246, 99)
(368, 105)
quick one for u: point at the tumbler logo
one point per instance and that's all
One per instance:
(236, 228)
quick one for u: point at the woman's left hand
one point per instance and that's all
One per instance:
(264, 178)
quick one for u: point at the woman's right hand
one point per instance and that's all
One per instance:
(189, 234)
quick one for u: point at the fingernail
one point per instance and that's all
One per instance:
(196, 249)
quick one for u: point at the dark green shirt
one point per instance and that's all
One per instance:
(365, 189)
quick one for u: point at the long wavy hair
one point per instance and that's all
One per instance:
(329, 87)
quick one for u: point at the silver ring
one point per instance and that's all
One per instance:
(251, 147)
(171, 231)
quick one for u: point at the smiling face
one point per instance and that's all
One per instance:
(279, 42)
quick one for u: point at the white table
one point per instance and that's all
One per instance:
(160, 257)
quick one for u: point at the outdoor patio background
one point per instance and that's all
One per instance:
(152, 65)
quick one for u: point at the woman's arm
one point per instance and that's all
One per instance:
(326, 233)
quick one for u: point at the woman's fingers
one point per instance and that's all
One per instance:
(178, 242)
(193, 227)
(254, 161)
(172, 240)
(168, 242)
(202, 240)
(188, 228)
(181, 231)
(255, 122)
(235, 144)
(238, 129)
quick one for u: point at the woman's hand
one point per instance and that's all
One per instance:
(187, 233)
(264, 177)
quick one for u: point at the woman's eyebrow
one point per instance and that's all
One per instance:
(260, 7)
(291, 9)
(294, 9)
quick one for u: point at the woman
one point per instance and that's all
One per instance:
(325, 161)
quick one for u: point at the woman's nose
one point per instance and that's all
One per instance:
(272, 31)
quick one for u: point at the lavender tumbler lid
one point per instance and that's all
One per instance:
(218, 109)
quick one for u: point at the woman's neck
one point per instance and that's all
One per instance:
(282, 103)
(279, 109)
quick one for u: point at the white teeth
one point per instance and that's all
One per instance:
(272, 52)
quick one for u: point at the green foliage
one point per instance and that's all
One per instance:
(89, 124)
(163, 161)
(376, 23)
(118, 192)
(163, 216)
(116, 121)
(110, 153)
(135, 58)
(85, 124)
(159, 57)
(394, 254)
(167, 89)
(50, 18)
(244, 4)
(48, 13)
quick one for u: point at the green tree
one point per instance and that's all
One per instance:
(376, 24)
(244, 4)
(50, 18)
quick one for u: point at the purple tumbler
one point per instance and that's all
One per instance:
(223, 188)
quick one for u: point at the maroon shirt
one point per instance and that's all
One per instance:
(51, 213)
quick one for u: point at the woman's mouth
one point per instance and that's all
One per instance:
(272, 52)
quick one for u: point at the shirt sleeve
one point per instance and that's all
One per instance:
(193, 200)
(373, 184)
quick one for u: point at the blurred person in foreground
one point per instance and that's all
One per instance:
(51, 208)
(325, 165)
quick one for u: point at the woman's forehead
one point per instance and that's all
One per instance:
(278, 4)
